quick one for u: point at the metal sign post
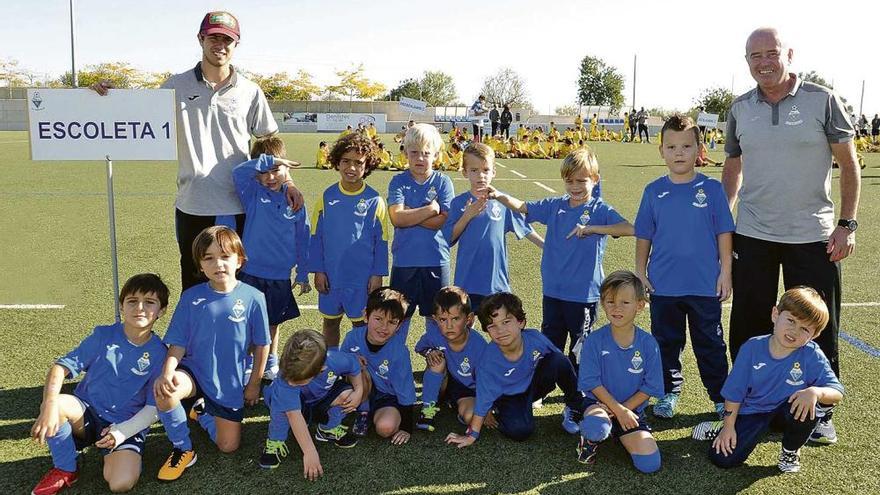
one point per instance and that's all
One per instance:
(111, 214)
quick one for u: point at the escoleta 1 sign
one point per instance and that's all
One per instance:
(79, 124)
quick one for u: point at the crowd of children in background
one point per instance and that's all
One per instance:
(223, 337)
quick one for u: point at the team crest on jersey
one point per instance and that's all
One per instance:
(636, 363)
(360, 209)
(584, 218)
(796, 374)
(289, 213)
(237, 311)
(700, 198)
(464, 369)
(432, 194)
(495, 211)
(794, 116)
(331, 379)
(142, 364)
(536, 355)
(383, 368)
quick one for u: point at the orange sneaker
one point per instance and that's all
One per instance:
(54, 481)
(176, 464)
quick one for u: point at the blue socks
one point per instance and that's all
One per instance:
(208, 423)
(334, 418)
(431, 383)
(648, 463)
(595, 429)
(63, 448)
(176, 428)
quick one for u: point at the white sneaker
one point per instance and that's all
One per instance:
(271, 372)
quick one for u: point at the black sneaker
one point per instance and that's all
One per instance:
(272, 454)
(361, 425)
(587, 451)
(789, 460)
(338, 435)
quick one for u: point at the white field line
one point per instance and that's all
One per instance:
(501, 165)
(14, 141)
(31, 306)
(542, 186)
(514, 172)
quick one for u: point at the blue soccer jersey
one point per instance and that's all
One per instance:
(349, 236)
(683, 222)
(282, 396)
(390, 368)
(276, 238)
(217, 330)
(571, 269)
(481, 261)
(337, 365)
(417, 245)
(622, 372)
(460, 365)
(497, 376)
(119, 374)
(760, 383)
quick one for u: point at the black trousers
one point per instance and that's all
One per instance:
(187, 227)
(755, 284)
(505, 130)
(494, 128)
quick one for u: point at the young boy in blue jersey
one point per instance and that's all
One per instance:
(619, 371)
(779, 378)
(518, 367)
(418, 205)
(479, 224)
(381, 347)
(684, 243)
(120, 361)
(310, 386)
(452, 350)
(213, 327)
(578, 225)
(276, 238)
(349, 247)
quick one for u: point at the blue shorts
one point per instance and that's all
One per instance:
(379, 399)
(211, 407)
(345, 300)
(420, 284)
(280, 304)
(616, 430)
(455, 391)
(317, 410)
(93, 425)
(567, 320)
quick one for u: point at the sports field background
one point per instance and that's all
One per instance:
(53, 226)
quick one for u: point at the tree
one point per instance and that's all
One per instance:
(280, 86)
(814, 77)
(506, 88)
(716, 100)
(120, 74)
(570, 110)
(437, 88)
(354, 84)
(12, 73)
(599, 84)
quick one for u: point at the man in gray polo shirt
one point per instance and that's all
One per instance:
(781, 137)
(218, 112)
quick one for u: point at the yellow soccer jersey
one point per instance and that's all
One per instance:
(384, 159)
(520, 133)
(454, 160)
(400, 162)
(344, 133)
(322, 159)
(371, 132)
(578, 121)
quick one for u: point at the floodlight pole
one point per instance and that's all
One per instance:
(73, 78)
(862, 99)
(111, 210)
(635, 57)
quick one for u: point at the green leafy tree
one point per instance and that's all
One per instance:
(437, 88)
(715, 100)
(281, 86)
(121, 74)
(599, 84)
(408, 88)
(354, 84)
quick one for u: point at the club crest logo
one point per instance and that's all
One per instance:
(495, 211)
(794, 116)
(464, 369)
(37, 100)
(432, 194)
(331, 379)
(796, 374)
(237, 311)
(584, 218)
(360, 208)
(289, 213)
(142, 364)
(700, 199)
(383, 368)
(536, 355)
(636, 363)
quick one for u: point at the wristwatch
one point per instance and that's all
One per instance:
(849, 224)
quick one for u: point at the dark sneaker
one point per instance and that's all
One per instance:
(426, 417)
(587, 451)
(789, 461)
(361, 425)
(272, 454)
(54, 481)
(824, 433)
(707, 430)
(338, 435)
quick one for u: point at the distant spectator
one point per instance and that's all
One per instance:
(494, 117)
(643, 124)
(506, 119)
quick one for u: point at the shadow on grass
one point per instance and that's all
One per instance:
(24, 403)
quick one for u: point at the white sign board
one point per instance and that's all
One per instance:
(707, 119)
(412, 105)
(79, 124)
(339, 121)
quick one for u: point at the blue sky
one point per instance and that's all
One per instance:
(682, 46)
